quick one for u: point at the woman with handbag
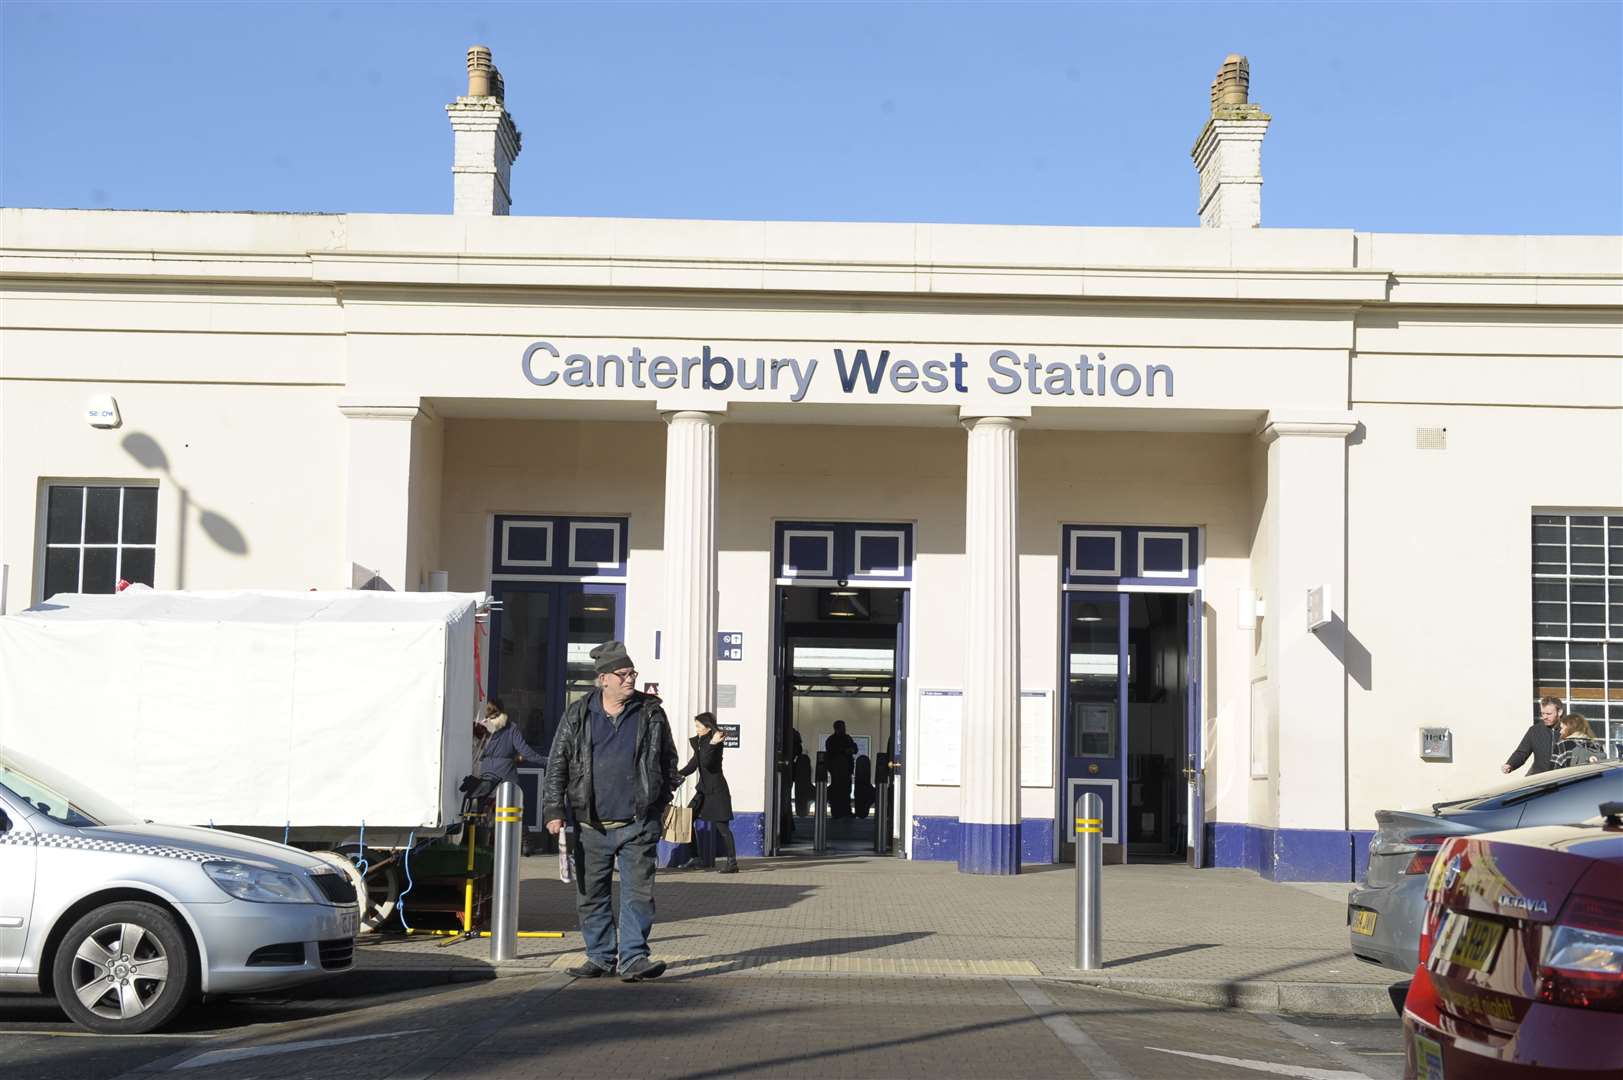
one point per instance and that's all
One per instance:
(713, 802)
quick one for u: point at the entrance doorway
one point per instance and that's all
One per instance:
(840, 675)
(1131, 724)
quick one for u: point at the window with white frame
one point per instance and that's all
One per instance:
(97, 535)
(1578, 616)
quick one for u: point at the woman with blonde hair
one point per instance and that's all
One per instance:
(1576, 744)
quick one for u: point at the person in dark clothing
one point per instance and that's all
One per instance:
(805, 792)
(714, 801)
(864, 786)
(1576, 743)
(614, 763)
(842, 752)
(1539, 741)
(502, 746)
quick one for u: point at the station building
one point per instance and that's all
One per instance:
(1249, 531)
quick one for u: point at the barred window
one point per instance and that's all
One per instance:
(1578, 617)
(97, 534)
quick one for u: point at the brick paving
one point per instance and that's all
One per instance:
(869, 915)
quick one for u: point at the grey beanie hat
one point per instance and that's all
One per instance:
(610, 656)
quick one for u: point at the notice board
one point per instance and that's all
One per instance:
(941, 735)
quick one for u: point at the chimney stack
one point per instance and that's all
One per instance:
(487, 141)
(1228, 153)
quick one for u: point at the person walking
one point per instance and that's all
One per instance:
(714, 800)
(613, 763)
(1539, 741)
(1577, 744)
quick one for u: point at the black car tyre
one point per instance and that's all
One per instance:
(123, 969)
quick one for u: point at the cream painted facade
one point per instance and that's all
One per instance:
(332, 397)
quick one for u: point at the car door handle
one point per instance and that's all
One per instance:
(10, 922)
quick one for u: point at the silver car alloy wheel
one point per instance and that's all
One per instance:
(119, 971)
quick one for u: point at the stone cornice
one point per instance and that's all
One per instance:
(1326, 426)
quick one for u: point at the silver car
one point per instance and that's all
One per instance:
(128, 922)
(1384, 913)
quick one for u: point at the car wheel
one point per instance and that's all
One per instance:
(123, 969)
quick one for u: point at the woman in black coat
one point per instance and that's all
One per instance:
(714, 802)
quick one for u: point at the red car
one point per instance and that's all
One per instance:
(1521, 956)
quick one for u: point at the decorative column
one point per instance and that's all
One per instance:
(1305, 525)
(989, 814)
(392, 511)
(688, 665)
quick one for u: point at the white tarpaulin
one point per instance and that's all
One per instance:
(252, 709)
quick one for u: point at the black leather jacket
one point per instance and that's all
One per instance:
(569, 768)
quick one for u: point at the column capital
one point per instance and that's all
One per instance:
(970, 423)
(383, 408)
(1307, 425)
(706, 416)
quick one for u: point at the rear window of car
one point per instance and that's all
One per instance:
(1522, 788)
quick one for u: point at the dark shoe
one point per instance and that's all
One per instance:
(731, 867)
(588, 970)
(641, 969)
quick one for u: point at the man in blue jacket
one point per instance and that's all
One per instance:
(614, 761)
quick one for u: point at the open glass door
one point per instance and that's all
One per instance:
(1194, 769)
(1095, 714)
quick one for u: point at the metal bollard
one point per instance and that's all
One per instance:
(504, 888)
(1089, 862)
(820, 821)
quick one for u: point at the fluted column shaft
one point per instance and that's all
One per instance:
(989, 813)
(688, 666)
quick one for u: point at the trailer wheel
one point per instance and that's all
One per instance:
(382, 898)
(377, 891)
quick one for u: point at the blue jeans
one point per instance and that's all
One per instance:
(635, 848)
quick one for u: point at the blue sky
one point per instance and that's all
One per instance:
(1411, 117)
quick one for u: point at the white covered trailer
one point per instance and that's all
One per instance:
(298, 714)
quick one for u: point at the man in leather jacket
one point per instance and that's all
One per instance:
(1539, 742)
(613, 763)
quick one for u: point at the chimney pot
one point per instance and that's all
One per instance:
(480, 69)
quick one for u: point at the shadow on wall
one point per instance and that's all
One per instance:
(1346, 647)
(217, 527)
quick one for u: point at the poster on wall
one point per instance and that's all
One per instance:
(1036, 738)
(941, 726)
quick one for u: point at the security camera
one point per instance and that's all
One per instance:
(841, 583)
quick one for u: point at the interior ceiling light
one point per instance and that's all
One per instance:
(842, 592)
(1090, 613)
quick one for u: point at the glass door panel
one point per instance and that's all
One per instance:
(1094, 676)
(522, 662)
(594, 615)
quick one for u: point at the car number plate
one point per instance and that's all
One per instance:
(1363, 922)
(1428, 1058)
(1469, 942)
(347, 921)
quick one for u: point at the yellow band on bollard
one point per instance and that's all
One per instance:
(509, 809)
(1090, 821)
(1090, 829)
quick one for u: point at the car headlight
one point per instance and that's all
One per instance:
(262, 886)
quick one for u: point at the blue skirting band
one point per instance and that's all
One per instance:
(988, 849)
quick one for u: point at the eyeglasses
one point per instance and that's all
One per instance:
(628, 675)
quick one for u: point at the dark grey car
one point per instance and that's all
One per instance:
(1383, 915)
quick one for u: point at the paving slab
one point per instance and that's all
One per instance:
(1214, 937)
